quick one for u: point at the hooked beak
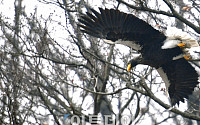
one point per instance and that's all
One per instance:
(129, 67)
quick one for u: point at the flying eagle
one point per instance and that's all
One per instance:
(168, 54)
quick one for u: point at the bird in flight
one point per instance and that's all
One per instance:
(169, 55)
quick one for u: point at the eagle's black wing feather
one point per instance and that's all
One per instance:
(113, 25)
(183, 79)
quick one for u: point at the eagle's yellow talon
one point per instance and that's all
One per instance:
(187, 57)
(181, 45)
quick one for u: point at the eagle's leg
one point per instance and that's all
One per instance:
(187, 57)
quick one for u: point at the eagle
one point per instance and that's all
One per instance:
(168, 54)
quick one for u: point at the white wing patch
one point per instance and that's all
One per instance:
(164, 77)
(130, 44)
(177, 57)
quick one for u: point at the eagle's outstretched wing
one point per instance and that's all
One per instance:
(182, 78)
(114, 25)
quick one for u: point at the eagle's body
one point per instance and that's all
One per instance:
(157, 49)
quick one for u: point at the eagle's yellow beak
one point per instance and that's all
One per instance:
(129, 67)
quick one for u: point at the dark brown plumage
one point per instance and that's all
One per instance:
(113, 25)
(183, 79)
(127, 29)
